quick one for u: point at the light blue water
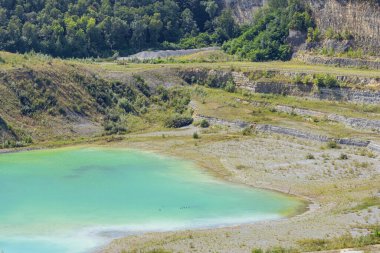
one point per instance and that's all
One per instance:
(74, 199)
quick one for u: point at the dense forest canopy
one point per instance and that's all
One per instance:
(102, 28)
(83, 28)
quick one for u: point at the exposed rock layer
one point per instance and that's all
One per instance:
(204, 76)
(357, 123)
(339, 61)
(287, 131)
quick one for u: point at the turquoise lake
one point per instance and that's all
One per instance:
(72, 200)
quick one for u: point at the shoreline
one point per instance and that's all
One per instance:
(315, 208)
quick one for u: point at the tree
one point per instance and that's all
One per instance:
(3, 17)
(14, 34)
(139, 32)
(189, 26)
(119, 33)
(106, 8)
(226, 27)
(29, 36)
(155, 28)
(211, 7)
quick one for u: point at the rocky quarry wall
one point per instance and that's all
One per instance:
(360, 17)
(287, 131)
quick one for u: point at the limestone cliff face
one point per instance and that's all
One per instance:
(243, 10)
(360, 17)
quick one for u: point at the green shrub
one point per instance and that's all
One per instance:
(62, 111)
(333, 145)
(195, 135)
(126, 106)
(313, 34)
(343, 157)
(28, 140)
(178, 120)
(330, 81)
(297, 79)
(230, 86)
(213, 81)
(354, 53)
(114, 128)
(310, 157)
(141, 85)
(330, 34)
(204, 123)
(247, 131)
(325, 80)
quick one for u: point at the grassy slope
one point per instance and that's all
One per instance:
(46, 124)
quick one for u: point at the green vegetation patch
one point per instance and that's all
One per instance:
(266, 39)
(178, 121)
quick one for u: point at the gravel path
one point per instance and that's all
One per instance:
(145, 55)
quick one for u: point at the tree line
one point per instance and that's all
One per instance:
(85, 28)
